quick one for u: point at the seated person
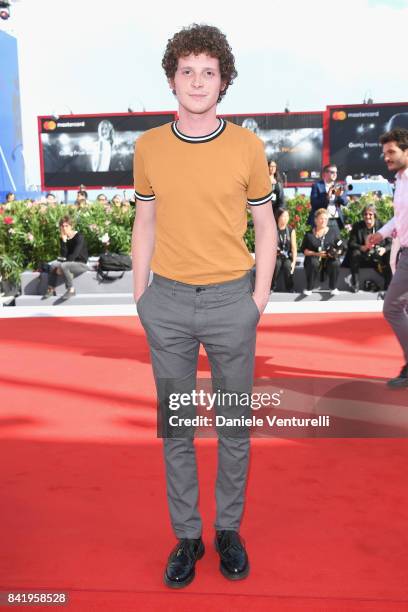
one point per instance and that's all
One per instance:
(322, 248)
(359, 255)
(72, 260)
(287, 250)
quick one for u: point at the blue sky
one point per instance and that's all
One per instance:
(104, 56)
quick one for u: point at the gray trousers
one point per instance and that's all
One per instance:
(222, 317)
(69, 270)
(396, 302)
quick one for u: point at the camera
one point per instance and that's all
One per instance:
(283, 253)
(374, 253)
(336, 249)
(337, 189)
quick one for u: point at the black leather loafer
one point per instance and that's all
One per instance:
(180, 570)
(234, 563)
(401, 381)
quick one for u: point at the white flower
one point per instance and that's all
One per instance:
(11, 231)
(104, 239)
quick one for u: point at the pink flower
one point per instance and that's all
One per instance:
(30, 237)
(8, 220)
(297, 218)
(299, 208)
(1, 210)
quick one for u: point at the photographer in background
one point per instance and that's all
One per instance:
(287, 250)
(328, 194)
(72, 260)
(360, 255)
(322, 248)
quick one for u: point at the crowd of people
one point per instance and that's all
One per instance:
(81, 200)
(324, 250)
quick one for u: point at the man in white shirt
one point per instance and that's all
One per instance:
(395, 149)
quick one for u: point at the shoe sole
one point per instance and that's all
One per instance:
(228, 574)
(187, 581)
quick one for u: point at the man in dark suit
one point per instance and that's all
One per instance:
(326, 194)
(360, 255)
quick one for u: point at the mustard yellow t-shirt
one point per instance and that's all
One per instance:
(201, 186)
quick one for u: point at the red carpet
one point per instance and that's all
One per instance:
(83, 494)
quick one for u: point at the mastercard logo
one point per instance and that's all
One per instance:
(49, 125)
(339, 115)
(303, 174)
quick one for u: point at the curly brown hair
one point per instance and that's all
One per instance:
(397, 135)
(200, 39)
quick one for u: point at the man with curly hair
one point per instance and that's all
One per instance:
(193, 181)
(395, 151)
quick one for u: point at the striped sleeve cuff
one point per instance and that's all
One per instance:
(144, 198)
(258, 201)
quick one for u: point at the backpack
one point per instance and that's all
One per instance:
(113, 262)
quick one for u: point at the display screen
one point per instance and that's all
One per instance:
(94, 151)
(293, 140)
(354, 133)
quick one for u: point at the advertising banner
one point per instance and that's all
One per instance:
(12, 171)
(353, 133)
(293, 140)
(92, 150)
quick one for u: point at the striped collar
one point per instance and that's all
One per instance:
(198, 139)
